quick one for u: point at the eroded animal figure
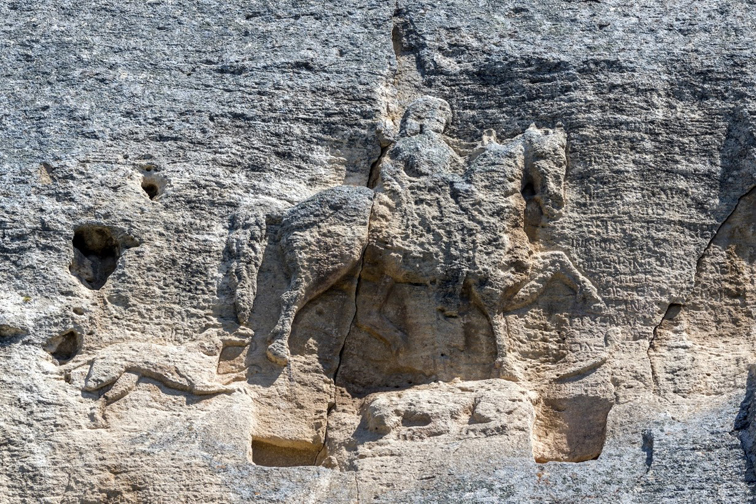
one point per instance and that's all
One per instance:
(435, 219)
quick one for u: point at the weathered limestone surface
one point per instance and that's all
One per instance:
(377, 251)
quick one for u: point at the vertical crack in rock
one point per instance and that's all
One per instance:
(375, 167)
(647, 446)
(396, 34)
(397, 96)
(673, 309)
(357, 486)
(354, 317)
(332, 406)
(390, 100)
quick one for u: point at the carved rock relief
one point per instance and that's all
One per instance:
(435, 220)
(451, 281)
(436, 274)
(116, 370)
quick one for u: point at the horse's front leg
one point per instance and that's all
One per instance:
(586, 291)
(547, 266)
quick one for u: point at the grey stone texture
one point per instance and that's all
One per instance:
(377, 251)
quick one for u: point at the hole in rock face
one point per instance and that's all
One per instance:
(64, 347)
(153, 184)
(270, 455)
(528, 191)
(150, 188)
(96, 253)
(533, 211)
(673, 311)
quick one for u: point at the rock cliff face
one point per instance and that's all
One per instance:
(377, 251)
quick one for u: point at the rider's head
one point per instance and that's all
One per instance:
(426, 114)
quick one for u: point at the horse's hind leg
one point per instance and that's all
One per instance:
(503, 364)
(322, 238)
(490, 302)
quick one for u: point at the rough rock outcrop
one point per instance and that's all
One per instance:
(377, 251)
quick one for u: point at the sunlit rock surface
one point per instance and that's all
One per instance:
(377, 251)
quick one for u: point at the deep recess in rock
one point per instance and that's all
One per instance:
(270, 455)
(151, 188)
(533, 211)
(64, 347)
(673, 311)
(570, 429)
(528, 191)
(96, 253)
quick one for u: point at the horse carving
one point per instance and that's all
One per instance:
(435, 218)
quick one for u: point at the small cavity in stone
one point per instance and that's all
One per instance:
(673, 311)
(270, 455)
(153, 184)
(151, 188)
(96, 253)
(64, 347)
(528, 192)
